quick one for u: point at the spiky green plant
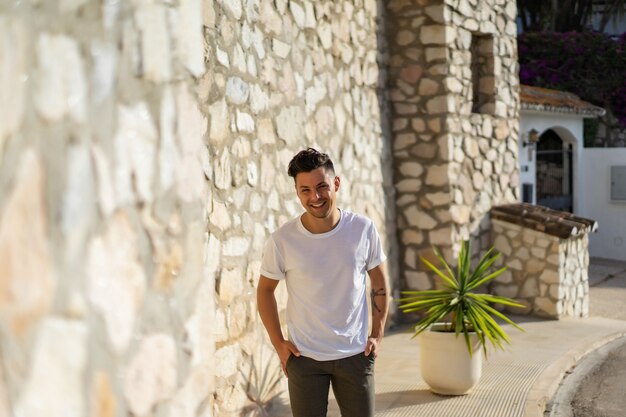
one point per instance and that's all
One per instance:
(458, 301)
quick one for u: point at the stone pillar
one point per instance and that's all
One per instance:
(453, 90)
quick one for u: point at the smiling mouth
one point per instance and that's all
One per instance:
(318, 205)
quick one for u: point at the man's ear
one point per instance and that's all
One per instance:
(337, 181)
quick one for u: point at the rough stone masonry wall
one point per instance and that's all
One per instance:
(143, 149)
(547, 274)
(284, 75)
(105, 306)
(451, 165)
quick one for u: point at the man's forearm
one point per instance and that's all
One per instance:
(268, 311)
(380, 301)
(380, 307)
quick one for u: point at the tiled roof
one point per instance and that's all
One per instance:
(544, 99)
(552, 222)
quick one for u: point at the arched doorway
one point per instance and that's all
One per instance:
(554, 172)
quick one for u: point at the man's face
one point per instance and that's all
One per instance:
(317, 191)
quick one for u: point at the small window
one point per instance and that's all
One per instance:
(527, 192)
(483, 79)
(618, 183)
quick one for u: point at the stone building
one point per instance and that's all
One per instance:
(143, 149)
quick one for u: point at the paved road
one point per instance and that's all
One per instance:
(597, 386)
(603, 392)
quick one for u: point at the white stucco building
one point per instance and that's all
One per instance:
(557, 171)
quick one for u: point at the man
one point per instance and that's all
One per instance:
(325, 256)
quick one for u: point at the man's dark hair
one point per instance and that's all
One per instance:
(308, 160)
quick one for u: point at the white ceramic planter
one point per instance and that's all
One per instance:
(445, 363)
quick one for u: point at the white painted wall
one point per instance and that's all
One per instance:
(569, 128)
(610, 239)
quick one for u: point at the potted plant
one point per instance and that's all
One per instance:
(449, 364)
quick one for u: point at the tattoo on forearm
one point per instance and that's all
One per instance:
(377, 293)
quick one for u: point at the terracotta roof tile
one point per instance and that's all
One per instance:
(544, 99)
(552, 222)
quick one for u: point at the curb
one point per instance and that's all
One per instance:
(550, 379)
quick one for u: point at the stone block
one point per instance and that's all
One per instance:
(219, 122)
(223, 171)
(438, 13)
(61, 87)
(556, 292)
(54, 387)
(411, 169)
(190, 36)
(27, 276)
(410, 257)
(152, 373)
(78, 203)
(439, 198)
(440, 105)
(437, 34)
(13, 68)
(412, 237)
(102, 399)
(502, 244)
(460, 214)
(505, 277)
(547, 307)
(156, 60)
(228, 360)
(135, 151)
(538, 252)
(428, 87)
(408, 185)
(191, 127)
(281, 49)
(404, 140)
(289, 124)
(509, 291)
(418, 281)
(411, 74)
(235, 246)
(244, 122)
(550, 276)
(515, 264)
(231, 285)
(529, 289)
(419, 218)
(405, 37)
(232, 7)
(437, 175)
(237, 90)
(298, 13)
(219, 217)
(116, 281)
(271, 20)
(405, 109)
(440, 237)
(535, 266)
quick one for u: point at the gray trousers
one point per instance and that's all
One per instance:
(352, 379)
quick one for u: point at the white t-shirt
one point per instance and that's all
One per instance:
(326, 277)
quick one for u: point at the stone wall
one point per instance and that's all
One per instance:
(547, 274)
(455, 156)
(143, 150)
(105, 306)
(284, 75)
